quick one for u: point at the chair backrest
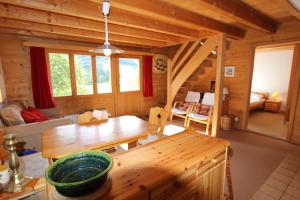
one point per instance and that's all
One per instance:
(208, 99)
(193, 97)
(158, 116)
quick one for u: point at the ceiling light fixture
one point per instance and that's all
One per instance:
(107, 49)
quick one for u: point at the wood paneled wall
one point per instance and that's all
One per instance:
(17, 74)
(241, 54)
(16, 69)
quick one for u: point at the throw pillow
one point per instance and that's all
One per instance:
(10, 116)
(204, 110)
(31, 115)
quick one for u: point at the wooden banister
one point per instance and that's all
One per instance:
(198, 57)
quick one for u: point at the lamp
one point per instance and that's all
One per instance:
(276, 96)
(107, 49)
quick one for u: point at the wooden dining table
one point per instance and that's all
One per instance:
(63, 140)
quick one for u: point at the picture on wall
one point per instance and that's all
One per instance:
(229, 71)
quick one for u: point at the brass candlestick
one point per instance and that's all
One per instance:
(17, 180)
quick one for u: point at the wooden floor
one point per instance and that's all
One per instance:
(267, 123)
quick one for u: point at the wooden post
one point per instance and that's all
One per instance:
(294, 93)
(219, 85)
(169, 86)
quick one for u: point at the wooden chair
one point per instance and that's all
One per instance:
(158, 116)
(202, 113)
(181, 109)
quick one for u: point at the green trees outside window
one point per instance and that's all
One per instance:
(60, 74)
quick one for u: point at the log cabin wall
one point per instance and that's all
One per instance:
(16, 69)
(17, 74)
(241, 55)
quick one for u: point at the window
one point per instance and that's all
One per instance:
(60, 74)
(83, 73)
(103, 74)
(129, 71)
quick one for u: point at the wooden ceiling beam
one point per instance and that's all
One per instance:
(58, 38)
(91, 10)
(27, 14)
(236, 10)
(285, 4)
(25, 25)
(168, 13)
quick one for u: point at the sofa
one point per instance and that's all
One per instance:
(31, 132)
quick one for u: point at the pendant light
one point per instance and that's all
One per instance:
(107, 49)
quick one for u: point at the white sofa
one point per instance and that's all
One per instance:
(31, 132)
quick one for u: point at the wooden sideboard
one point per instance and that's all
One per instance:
(184, 166)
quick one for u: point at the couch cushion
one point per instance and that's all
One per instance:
(178, 111)
(31, 115)
(11, 116)
(204, 110)
(199, 117)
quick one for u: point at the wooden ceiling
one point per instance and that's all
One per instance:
(144, 24)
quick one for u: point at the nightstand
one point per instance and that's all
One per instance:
(273, 106)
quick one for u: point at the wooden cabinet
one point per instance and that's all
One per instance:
(186, 166)
(273, 106)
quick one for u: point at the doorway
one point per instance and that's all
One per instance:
(269, 91)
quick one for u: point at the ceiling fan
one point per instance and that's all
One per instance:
(107, 49)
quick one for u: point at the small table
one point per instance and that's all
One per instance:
(63, 140)
(273, 106)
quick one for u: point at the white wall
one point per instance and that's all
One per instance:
(272, 72)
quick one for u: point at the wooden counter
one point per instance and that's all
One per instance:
(185, 166)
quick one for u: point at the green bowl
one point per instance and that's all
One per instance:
(80, 173)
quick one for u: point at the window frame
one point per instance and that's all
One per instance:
(47, 51)
(111, 74)
(73, 73)
(140, 73)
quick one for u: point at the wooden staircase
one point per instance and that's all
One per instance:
(194, 79)
(187, 65)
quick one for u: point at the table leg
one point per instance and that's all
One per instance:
(132, 144)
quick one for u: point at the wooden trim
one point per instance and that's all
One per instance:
(177, 16)
(60, 30)
(179, 52)
(237, 11)
(286, 5)
(199, 56)
(94, 74)
(91, 10)
(244, 123)
(183, 59)
(294, 91)
(27, 14)
(169, 86)
(219, 85)
(84, 48)
(72, 74)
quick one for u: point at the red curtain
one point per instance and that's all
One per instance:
(147, 72)
(41, 87)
